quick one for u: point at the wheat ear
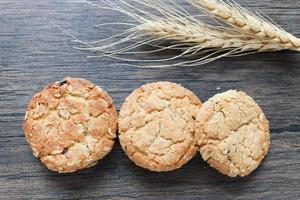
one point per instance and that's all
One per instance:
(203, 37)
(156, 21)
(248, 22)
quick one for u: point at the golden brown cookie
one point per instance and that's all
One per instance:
(70, 125)
(232, 133)
(157, 126)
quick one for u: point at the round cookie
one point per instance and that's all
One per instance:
(157, 126)
(232, 133)
(70, 125)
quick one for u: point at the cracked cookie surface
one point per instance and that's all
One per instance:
(70, 125)
(157, 126)
(232, 133)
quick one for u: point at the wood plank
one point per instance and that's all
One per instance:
(33, 53)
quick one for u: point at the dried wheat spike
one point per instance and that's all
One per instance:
(156, 21)
(248, 22)
(207, 37)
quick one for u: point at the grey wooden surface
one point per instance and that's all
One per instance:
(33, 53)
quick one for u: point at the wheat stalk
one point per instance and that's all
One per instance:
(248, 23)
(164, 20)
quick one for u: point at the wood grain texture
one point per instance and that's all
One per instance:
(33, 53)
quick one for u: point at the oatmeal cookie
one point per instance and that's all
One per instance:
(157, 126)
(70, 125)
(232, 133)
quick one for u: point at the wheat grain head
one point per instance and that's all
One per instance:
(207, 37)
(164, 20)
(248, 22)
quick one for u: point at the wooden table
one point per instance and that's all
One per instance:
(34, 52)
